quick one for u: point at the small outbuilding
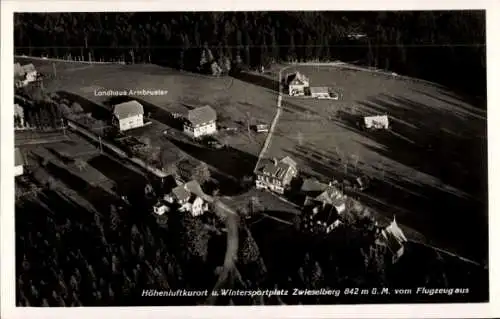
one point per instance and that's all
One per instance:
(320, 92)
(376, 122)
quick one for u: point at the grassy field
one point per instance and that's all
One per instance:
(429, 170)
(237, 102)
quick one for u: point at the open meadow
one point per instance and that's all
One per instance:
(429, 169)
(238, 104)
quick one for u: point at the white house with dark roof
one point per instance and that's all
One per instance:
(275, 175)
(128, 115)
(297, 83)
(201, 121)
(18, 162)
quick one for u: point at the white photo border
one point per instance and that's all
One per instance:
(8, 309)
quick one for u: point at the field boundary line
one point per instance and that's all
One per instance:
(373, 70)
(449, 253)
(63, 60)
(346, 65)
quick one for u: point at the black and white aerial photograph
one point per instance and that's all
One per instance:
(250, 158)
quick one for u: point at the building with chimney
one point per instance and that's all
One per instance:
(276, 175)
(200, 122)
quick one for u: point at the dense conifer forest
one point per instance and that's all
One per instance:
(443, 46)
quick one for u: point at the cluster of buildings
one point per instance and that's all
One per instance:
(186, 198)
(324, 204)
(322, 214)
(299, 85)
(24, 74)
(199, 122)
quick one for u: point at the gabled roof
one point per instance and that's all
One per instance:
(331, 195)
(394, 230)
(202, 115)
(128, 109)
(313, 185)
(288, 161)
(393, 237)
(18, 157)
(392, 243)
(180, 193)
(297, 79)
(276, 169)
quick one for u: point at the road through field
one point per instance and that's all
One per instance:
(275, 119)
(279, 107)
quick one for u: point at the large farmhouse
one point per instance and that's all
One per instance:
(276, 175)
(297, 84)
(201, 121)
(128, 115)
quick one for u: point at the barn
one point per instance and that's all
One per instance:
(297, 83)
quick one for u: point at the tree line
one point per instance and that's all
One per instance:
(444, 46)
